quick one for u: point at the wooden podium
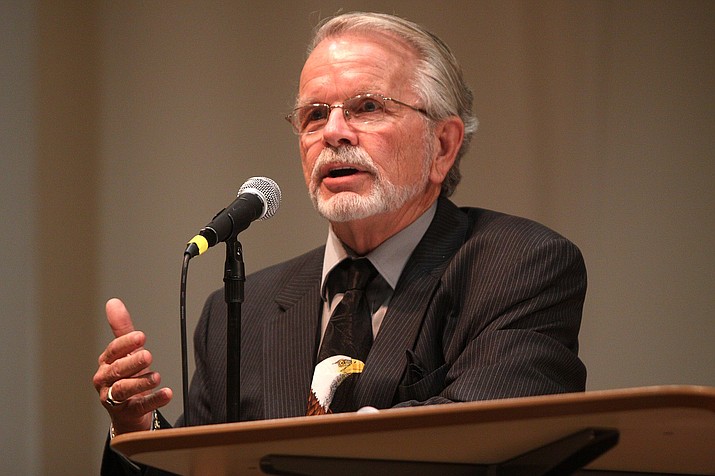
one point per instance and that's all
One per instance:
(658, 430)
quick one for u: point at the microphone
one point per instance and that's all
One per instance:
(258, 199)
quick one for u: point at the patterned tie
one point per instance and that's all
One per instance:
(349, 331)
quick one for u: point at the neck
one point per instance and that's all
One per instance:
(365, 235)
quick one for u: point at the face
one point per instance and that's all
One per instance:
(355, 172)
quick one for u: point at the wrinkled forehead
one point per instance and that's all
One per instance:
(358, 62)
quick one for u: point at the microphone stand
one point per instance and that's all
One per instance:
(234, 278)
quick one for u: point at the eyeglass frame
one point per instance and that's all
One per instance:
(346, 113)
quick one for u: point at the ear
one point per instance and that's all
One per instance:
(448, 135)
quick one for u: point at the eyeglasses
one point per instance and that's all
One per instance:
(358, 110)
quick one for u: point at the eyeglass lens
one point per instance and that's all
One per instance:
(359, 109)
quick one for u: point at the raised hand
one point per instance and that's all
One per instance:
(123, 379)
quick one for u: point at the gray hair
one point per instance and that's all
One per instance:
(438, 80)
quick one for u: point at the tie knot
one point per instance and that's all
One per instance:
(359, 273)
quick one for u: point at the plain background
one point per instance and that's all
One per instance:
(126, 125)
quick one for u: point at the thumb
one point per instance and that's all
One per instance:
(118, 317)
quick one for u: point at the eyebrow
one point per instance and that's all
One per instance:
(358, 92)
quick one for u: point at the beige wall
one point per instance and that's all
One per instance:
(129, 124)
(19, 339)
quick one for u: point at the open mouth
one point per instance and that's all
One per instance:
(342, 172)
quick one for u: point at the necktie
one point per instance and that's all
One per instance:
(349, 331)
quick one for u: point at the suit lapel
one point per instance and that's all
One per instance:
(419, 281)
(290, 338)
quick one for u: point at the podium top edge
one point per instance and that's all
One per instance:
(512, 409)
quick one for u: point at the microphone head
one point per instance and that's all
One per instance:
(267, 190)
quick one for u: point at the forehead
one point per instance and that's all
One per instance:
(349, 64)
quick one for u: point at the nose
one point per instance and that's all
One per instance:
(337, 131)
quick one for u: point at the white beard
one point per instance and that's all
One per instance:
(347, 206)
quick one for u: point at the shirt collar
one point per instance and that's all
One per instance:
(389, 258)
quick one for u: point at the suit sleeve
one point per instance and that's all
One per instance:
(516, 330)
(115, 464)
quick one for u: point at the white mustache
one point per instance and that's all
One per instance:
(345, 156)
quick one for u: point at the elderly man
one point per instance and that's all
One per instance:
(461, 303)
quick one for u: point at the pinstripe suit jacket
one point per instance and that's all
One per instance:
(488, 306)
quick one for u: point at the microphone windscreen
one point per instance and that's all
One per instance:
(269, 192)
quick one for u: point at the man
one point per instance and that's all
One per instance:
(468, 304)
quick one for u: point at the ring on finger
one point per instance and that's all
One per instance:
(110, 401)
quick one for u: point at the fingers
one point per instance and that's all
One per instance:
(119, 319)
(135, 414)
(110, 371)
(123, 367)
(124, 389)
(122, 347)
(151, 401)
(128, 366)
(123, 358)
(127, 340)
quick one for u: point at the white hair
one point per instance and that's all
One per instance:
(438, 79)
